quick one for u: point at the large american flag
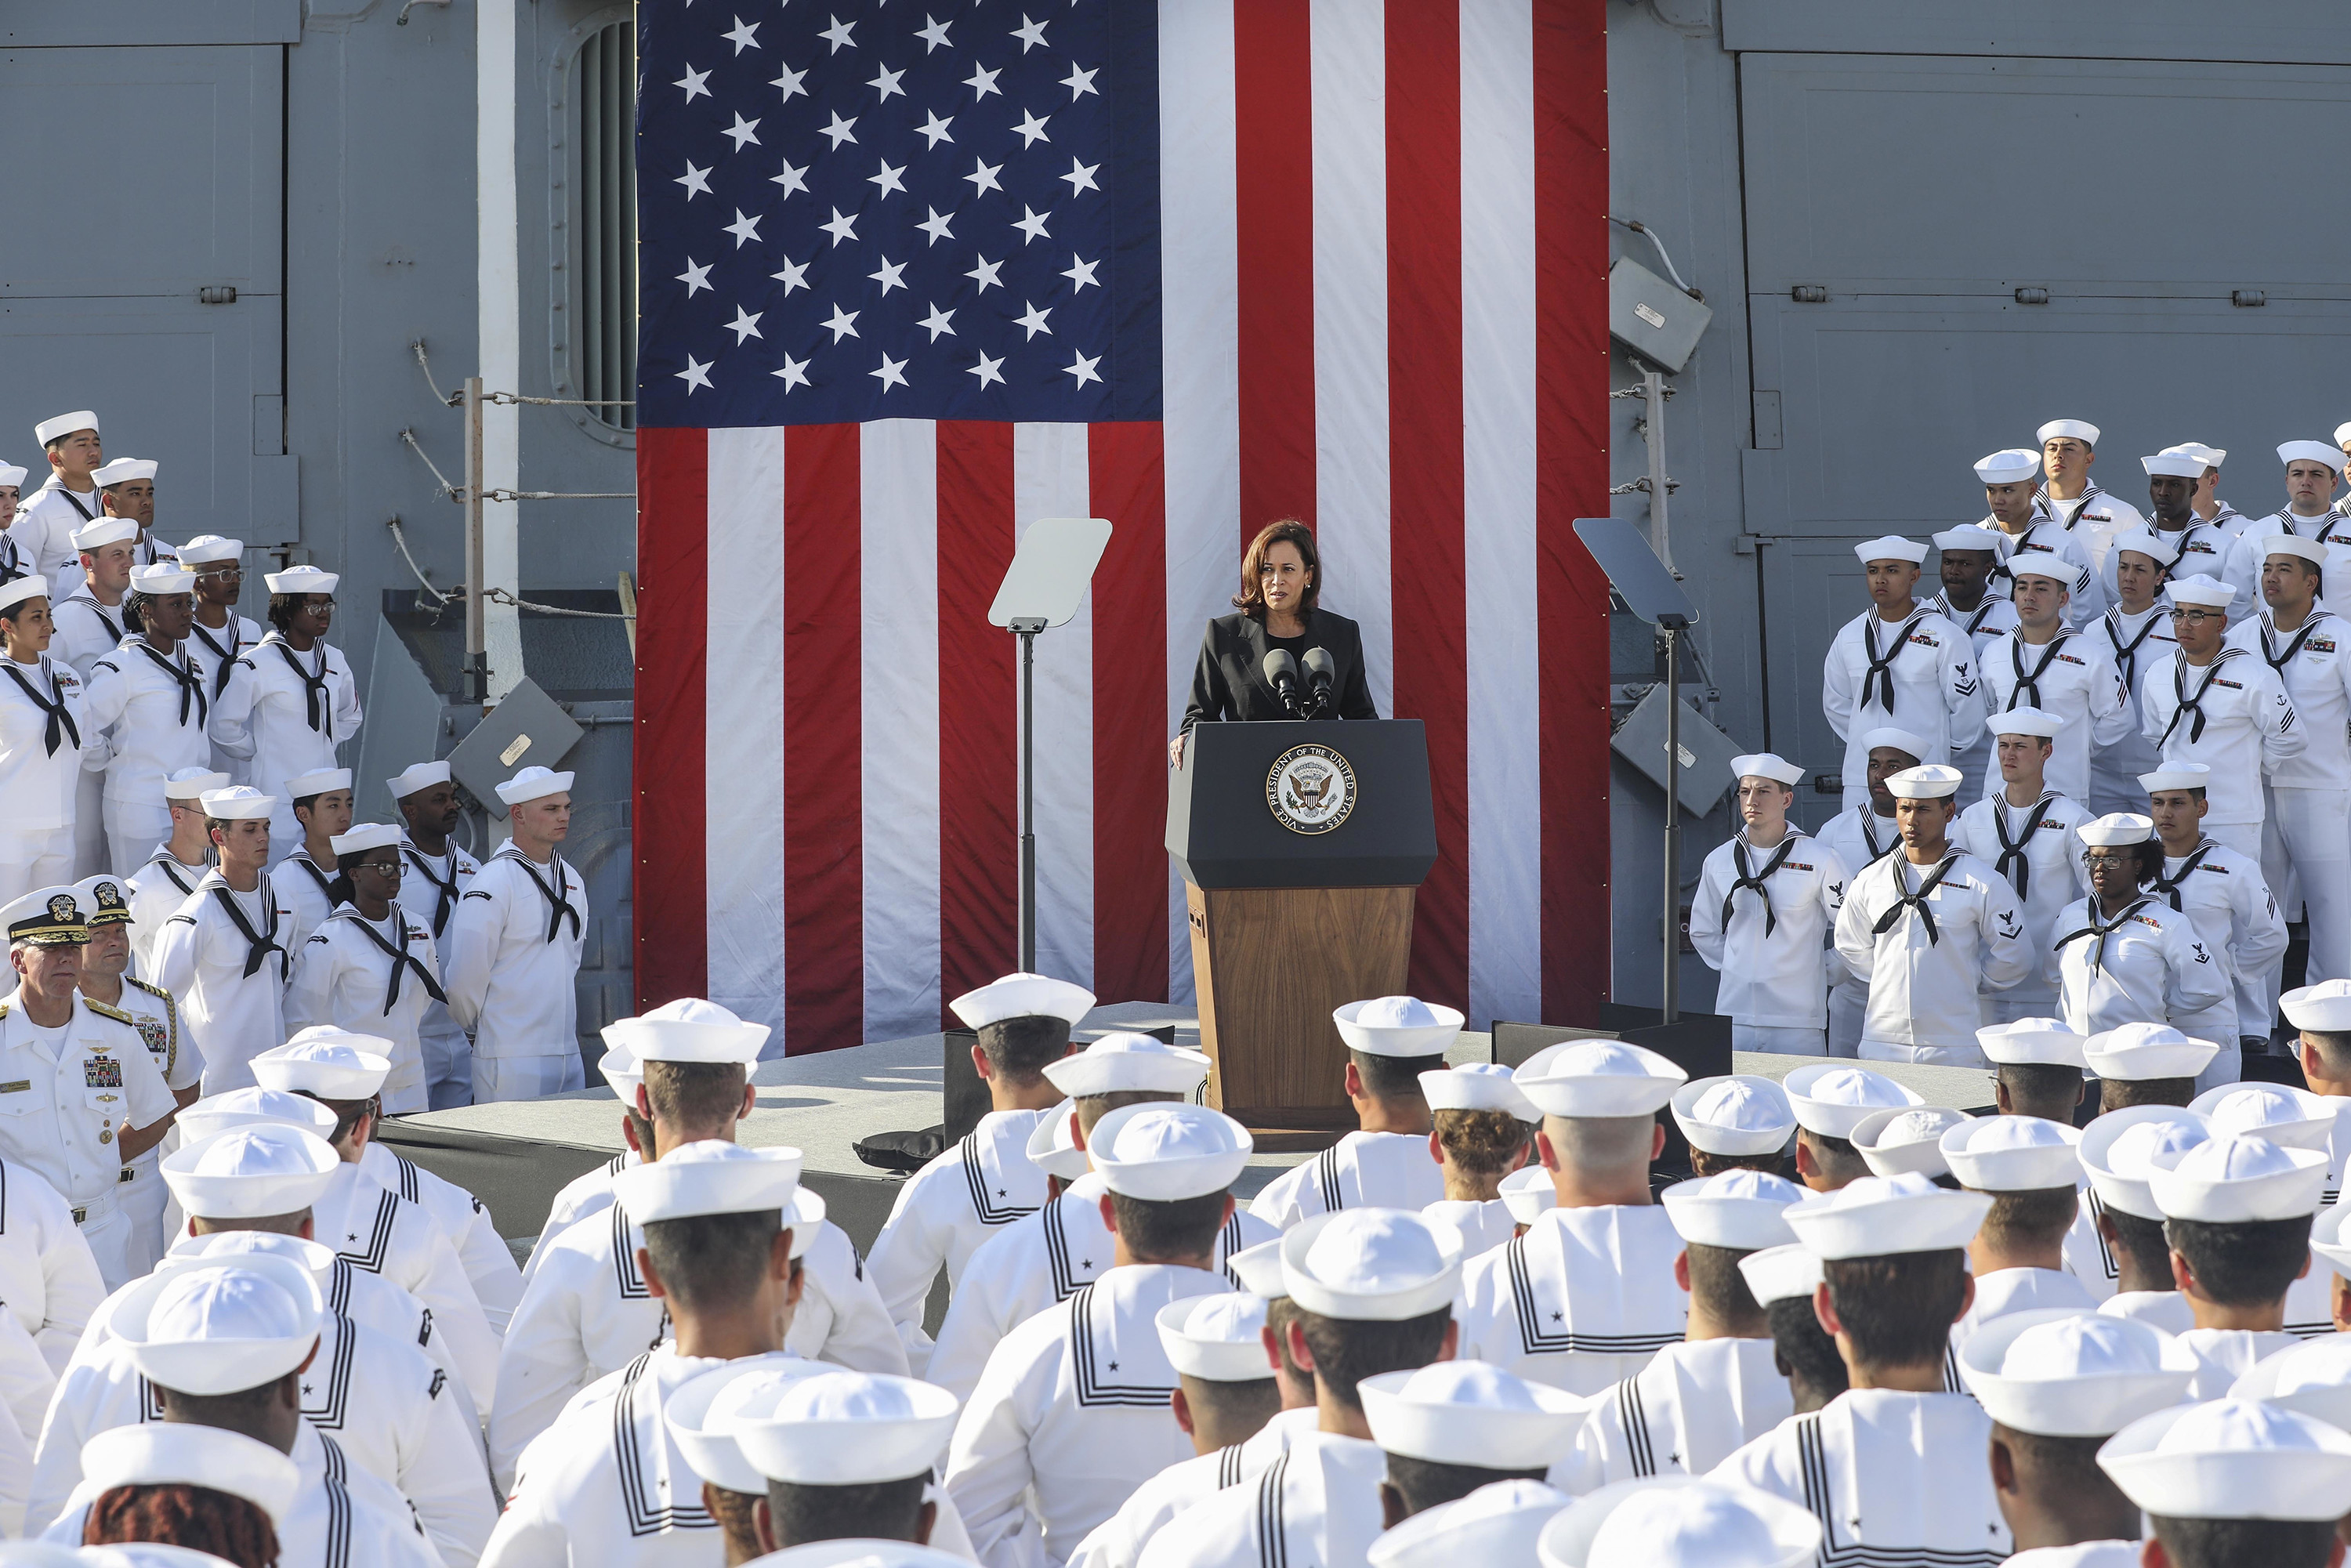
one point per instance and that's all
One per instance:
(916, 273)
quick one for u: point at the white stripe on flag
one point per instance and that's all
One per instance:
(742, 727)
(898, 623)
(1050, 480)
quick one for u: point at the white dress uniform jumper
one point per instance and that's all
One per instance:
(224, 956)
(42, 732)
(43, 528)
(385, 1233)
(2033, 847)
(285, 711)
(2306, 835)
(2223, 891)
(961, 1197)
(1859, 836)
(1119, 1541)
(2243, 571)
(2233, 716)
(2070, 675)
(1760, 919)
(301, 884)
(153, 712)
(1362, 1170)
(158, 889)
(1993, 616)
(482, 1252)
(430, 892)
(217, 650)
(512, 971)
(2146, 965)
(1318, 1502)
(1927, 940)
(1685, 1412)
(2133, 642)
(2046, 535)
(53, 1280)
(1918, 673)
(369, 977)
(1581, 1301)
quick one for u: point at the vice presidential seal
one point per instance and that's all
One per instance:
(1310, 790)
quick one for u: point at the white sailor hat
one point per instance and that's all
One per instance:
(704, 1412)
(1377, 1265)
(1890, 547)
(2231, 1458)
(2176, 776)
(2012, 1153)
(99, 532)
(327, 1061)
(1258, 1269)
(1600, 1078)
(2312, 550)
(17, 590)
(1875, 1217)
(1160, 1151)
(2239, 1176)
(850, 1429)
(1740, 1114)
(1500, 1523)
(202, 1326)
(122, 471)
(710, 1177)
(859, 1552)
(2009, 465)
(1780, 1273)
(65, 425)
(2065, 1372)
(623, 1071)
(534, 783)
(11, 474)
(2212, 456)
(162, 579)
(314, 1257)
(2153, 546)
(1218, 1339)
(1739, 1211)
(1125, 1063)
(1767, 765)
(251, 1171)
(1905, 1138)
(2051, 571)
(1476, 1086)
(2032, 1043)
(2120, 1149)
(417, 777)
(301, 579)
(238, 803)
(1526, 1193)
(2115, 829)
(2324, 1008)
(363, 837)
(317, 782)
(1831, 1098)
(2135, 1052)
(103, 900)
(2203, 591)
(1901, 740)
(2313, 1377)
(206, 548)
(182, 1453)
(1022, 995)
(2311, 451)
(688, 1029)
(1051, 1148)
(1678, 1521)
(252, 1107)
(2174, 465)
(1471, 1413)
(194, 783)
(1968, 536)
(2080, 429)
(113, 1554)
(1928, 782)
(2025, 721)
(2284, 1115)
(1397, 1026)
(2327, 1241)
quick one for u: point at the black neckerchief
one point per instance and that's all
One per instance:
(172, 868)
(61, 722)
(559, 897)
(403, 960)
(326, 884)
(2090, 492)
(1880, 672)
(1755, 880)
(190, 681)
(448, 890)
(226, 656)
(2169, 886)
(1917, 900)
(2014, 849)
(74, 501)
(2196, 702)
(2101, 930)
(112, 631)
(2127, 653)
(321, 712)
(2278, 661)
(12, 561)
(2032, 682)
(1869, 835)
(258, 944)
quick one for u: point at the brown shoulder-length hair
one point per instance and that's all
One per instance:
(1250, 599)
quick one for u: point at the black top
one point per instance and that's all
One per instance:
(1230, 684)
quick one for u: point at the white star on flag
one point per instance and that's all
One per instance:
(841, 228)
(1080, 273)
(1031, 130)
(746, 36)
(1080, 82)
(1081, 177)
(838, 35)
(888, 178)
(843, 323)
(888, 277)
(938, 321)
(839, 130)
(1031, 33)
(795, 373)
(936, 128)
(1034, 320)
(743, 131)
(696, 374)
(744, 325)
(695, 276)
(936, 225)
(983, 178)
(982, 82)
(744, 229)
(987, 371)
(694, 82)
(1083, 369)
(1032, 223)
(794, 275)
(892, 372)
(887, 83)
(791, 179)
(933, 33)
(790, 83)
(985, 274)
(695, 180)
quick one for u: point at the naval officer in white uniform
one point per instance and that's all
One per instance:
(2237, 1209)
(1899, 663)
(151, 1009)
(368, 965)
(1969, 560)
(2068, 448)
(1391, 1041)
(514, 949)
(1861, 835)
(225, 953)
(219, 636)
(1765, 902)
(2028, 1167)
(304, 875)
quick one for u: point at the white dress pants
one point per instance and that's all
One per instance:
(1779, 1040)
(2306, 860)
(133, 829)
(499, 1078)
(142, 1200)
(89, 826)
(29, 861)
(1924, 1055)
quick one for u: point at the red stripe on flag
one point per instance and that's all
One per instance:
(1571, 81)
(979, 695)
(1127, 480)
(1424, 465)
(671, 912)
(1273, 220)
(824, 845)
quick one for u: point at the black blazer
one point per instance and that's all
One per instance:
(1231, 683)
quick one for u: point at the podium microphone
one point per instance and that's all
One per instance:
(1282, 673)
(1322, 674)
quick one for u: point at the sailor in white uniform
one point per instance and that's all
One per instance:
(2233, 1480)
(1738, 1121)
(53, 1280)
(2117, 1150)
(2057, 1386)
(290, 701)
(1719, 1388)
(2313, 470)
(91, 624)
(847, 1458)
(2138, 633)
(1899, 663)
(225, 954)
(1225, 1390)
(1454, 1426)
(1371, 1291)
(1830, 1100)
(2121, 955)
(2038, 1071)
(2028, 1167)
(304, 875)
(148, 706)
(1893, 1468)
(2198, 545)
(1783, 1281)
(1766, 900)
(66, 499)
(2237, 1210)
(1484, 1131)
(1384, 1162)
(219, 636)
(2027, 530)
(2321, 1016)
(2041, 664)
(170, 873)
(986, 1181)
(1861, 835)
(1073, 1410)
(1930, 928)
(126, 489)
(1910, 1140)
(42, 732)
(2306, 834)
(2221, 889)
(2294, 1119)
(368, 966)
(2205, 501)
(513, 951)
(609, 1484)
(105, 962)
(1583, 1299)
(2024, 831)
(1969, 560)
(440, 870)
(200, 1337)
(2068, 448)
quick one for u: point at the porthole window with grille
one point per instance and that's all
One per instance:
(604, 322)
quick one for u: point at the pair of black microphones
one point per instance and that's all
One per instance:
(1307, 699)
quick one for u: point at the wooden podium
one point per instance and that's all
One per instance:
(1301, 845)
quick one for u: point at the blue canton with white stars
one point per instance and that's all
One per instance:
(928, 209)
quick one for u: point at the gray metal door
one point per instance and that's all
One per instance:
(156, 179)
(1811, 587)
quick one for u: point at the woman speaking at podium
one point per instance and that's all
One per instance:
(1282, 577)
